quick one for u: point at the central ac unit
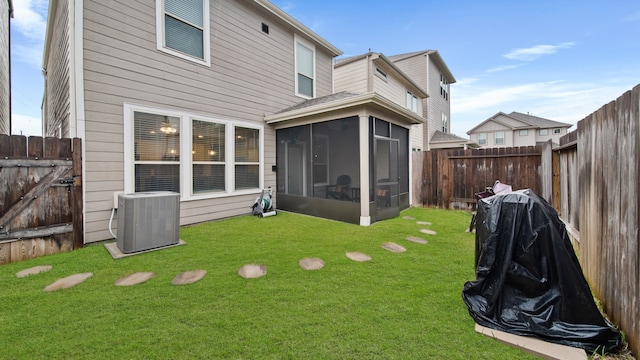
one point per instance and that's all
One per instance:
(148, 220)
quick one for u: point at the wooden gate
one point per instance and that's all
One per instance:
(40, 197)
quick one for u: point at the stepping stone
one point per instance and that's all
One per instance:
(428, 232)
(393, 247)
(68, 282)
(416, 240)
(134, 279)
(252, 271)
(33, 271)
(188, 277)
(358, 256)
(423, 223)
(311, 263)
(408, 218)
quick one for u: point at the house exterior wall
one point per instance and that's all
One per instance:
(426, 73)
(251, 74)
(352, 77)
(57, 108)
(4, 69)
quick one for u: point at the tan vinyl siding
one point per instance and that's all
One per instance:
(352, 77)
(437, 103)
(251, 75)
(4, 68)
(58, 104)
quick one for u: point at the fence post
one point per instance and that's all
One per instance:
(76, 195)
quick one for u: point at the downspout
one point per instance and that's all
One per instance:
(9, 40)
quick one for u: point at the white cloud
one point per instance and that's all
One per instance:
(30, 18)
(632, 17)
(31, 55)
(503, 68)
(25, 125)
(535, 52)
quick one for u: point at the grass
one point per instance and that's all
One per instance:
(396, 306)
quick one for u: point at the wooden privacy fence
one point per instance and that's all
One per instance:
(599, 182)
(450, 178)
(40, 196)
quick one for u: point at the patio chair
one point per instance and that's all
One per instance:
(341, 190)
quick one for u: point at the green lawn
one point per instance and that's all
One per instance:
(396, 306)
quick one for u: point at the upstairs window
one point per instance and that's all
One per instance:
(482, 139)
(557, 131)
(305, 69)
(412, 102)
(524, 132)
(499, 138)
(444, 87)
(445, 123)
(544, 132)
(182, 27)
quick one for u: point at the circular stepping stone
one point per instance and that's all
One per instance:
(134, 279)
(311, 263)
(252, 271)
(423, 223)
(33, 271)
(358, 256)
(188, 277)
(393, 247)
(416, 240)
(68, 282)
(428, 232)
(408, 218)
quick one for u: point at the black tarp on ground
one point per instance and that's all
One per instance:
(528, 279)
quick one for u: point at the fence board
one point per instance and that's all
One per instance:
(600, 160)
(458, 174)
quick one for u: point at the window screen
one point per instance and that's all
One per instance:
(183, 21)
(247, 158)
(157, 152)
(208, 156)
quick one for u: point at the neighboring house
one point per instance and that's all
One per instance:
(517, 129)
(374, 72)
(443, 140)
(429, 71)
(217, 100)
(6, 13)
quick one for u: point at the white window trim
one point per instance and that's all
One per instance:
(186, 161)
(206, 35)
(297, 39)
(557, 131)
(526, 132)
(541, 130)
(485, 139)
(495, 138)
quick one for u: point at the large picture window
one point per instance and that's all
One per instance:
(198, 157)
(305, 69)
(182, 27)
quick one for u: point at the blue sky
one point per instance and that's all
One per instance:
(560, 60)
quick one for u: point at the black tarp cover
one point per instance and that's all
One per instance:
(528, 279)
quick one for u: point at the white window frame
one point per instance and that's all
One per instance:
(186, 160)
(483, 140)
(557, 131)
(160, 31)
(524, 132)
(412, 102)
(543, 132)
(298, 40)
(495, 139)
(445, 123)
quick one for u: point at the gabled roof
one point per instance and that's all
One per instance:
(387, 63)
(434, 55)
(441, 138)
(528, 121)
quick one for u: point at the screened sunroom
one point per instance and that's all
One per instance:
(344, 157)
